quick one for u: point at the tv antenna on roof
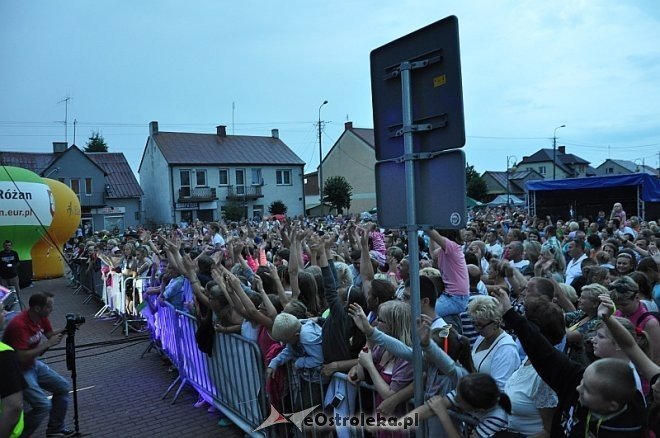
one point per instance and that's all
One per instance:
(66, 116)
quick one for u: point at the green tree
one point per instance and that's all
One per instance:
(337, 192)
(233, 211)
(96, 143)
(277, 207)
(476, 186)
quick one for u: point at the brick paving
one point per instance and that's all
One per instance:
(119, 394)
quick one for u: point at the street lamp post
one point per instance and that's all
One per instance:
(321, 161)
(554, 152)
(508, 192)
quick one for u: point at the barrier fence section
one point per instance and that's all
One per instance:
(232, 377)
(342, 403)
(113, 288)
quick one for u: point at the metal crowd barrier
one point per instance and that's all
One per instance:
(232, 378)
(112, 291)
(341, 399)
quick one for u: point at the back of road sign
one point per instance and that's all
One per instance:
(440, 195)
(437, 93)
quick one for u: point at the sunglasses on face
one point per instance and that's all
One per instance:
(483, 326)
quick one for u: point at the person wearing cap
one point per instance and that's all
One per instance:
(304, 347)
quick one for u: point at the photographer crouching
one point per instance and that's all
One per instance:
(30, 333)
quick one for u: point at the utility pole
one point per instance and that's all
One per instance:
(508, 191)
(75, 121)
(321, 161)
(66, 117)
(554, 152)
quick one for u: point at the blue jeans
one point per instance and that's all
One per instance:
(39, 378)
(451, 304)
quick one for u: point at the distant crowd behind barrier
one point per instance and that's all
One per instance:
(321, 299)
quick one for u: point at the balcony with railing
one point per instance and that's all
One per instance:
(197, 194)
(240, 193)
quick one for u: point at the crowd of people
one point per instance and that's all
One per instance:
(528, 326)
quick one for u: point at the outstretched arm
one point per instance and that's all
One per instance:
(646, 367)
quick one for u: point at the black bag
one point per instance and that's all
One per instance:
(205, 335)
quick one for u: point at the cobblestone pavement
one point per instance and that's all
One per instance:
(119, 394)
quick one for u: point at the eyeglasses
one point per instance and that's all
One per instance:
(482, 326)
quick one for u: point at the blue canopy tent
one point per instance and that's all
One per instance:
(639, 193)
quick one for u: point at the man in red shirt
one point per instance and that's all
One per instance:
(31, 334)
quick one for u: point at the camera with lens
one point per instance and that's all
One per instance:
(73, 321)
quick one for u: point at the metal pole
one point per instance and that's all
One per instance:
(554, 155)
(413, 246)
(321, 161)
(507, 183)
(554, 152)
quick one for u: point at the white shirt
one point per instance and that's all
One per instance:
(522, 264)
(495, 249)
(218, 240)
(574, 269)
(500, 360)
(528, 393)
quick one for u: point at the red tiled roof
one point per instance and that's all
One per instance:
(36, 162)
(120, 176)
(211, 149)
(119, 173)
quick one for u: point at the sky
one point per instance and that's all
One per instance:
(528, 67)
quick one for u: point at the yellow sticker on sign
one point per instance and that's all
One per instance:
(439, 80)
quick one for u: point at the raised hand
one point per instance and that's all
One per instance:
(606, 308)
(503, 299)
(365, 358)
(424, 329)
(257, 283)
(359, 318)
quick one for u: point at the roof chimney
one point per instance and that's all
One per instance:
(275, 133)
(348, 125)
(153, 128)
(561, 149)
(59, 147)
(221, 130)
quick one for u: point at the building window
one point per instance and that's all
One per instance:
(283, 177)
(609, 170)
(75, 186)
(224, 177)
(184, 180)
(62, 180)
(256, 177)
(200, 176)
(240, 181)
(88, 186)
(542, 170)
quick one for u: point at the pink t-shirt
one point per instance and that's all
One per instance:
(451, 263)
